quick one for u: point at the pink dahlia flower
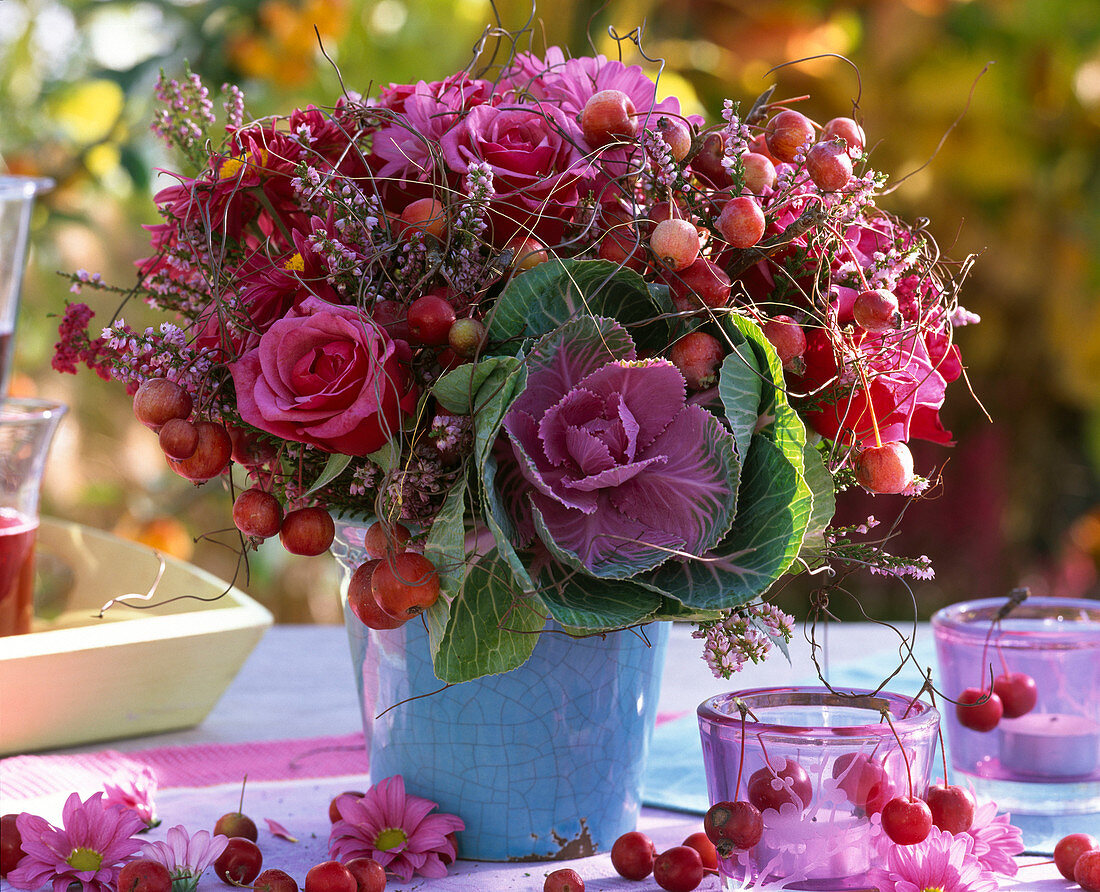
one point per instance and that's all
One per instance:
(395, 829)
(185, 856)
(943, 862)
(134, 790)
(95, 842)
(996, 841)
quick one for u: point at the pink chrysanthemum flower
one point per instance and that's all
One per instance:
(95, 841)
(395, 829)
(996, 841)
(942, 863)
(134, 790)
(185, 856)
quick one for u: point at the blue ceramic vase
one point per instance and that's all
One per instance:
(545, 762)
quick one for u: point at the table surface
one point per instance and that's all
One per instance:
(297, 684)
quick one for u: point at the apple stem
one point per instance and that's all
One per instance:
(901, 746)
(939, 733)
(240, 805)
(741, 760)
(870, 403)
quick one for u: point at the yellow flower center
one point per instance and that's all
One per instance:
(932, 889)
(230, 168)
(295, 263)
(84, 859)
(390, 838)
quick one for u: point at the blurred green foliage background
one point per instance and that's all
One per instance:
(1003, 162)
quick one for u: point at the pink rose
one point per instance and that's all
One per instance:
(327, 375)
(537, 171)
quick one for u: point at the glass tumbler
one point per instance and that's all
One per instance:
(26, 429)
(819, 766)
(1036, 750)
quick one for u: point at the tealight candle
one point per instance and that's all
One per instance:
(1050, 745)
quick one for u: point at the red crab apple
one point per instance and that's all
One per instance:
(257, 513)
(307, 531)
(741, 222)
(239, 864)
(275, 880)
(1086, 872)
(144, 875)
(847, 130)
(675, 242)
(759, 172)
(158, 399)
(1069, 849)
(952, 807)
(771, 789)
(11, 844)
(1018, 693)
(362, 602)
(864, 781)
(430, 319)
(679, 869)
(236, 824)
(330, 876)
(697, 356)
(333, 806)
(633, 855)
(608, 115)
(211, 455)
(885, 469)
(876, 310)
(368, 873)
(978, 710)
(733, 825)
(563, 880)
(907, 820)
(707, 852)
(406, 585)
(788, 133)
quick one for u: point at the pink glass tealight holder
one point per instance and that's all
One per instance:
(819, 765)
(1045, 759)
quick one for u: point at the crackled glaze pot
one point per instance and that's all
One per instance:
(542, 763)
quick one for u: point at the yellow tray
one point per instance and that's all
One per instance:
(77, 678)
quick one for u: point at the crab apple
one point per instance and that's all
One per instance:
(393, 317)
(623, 247)
(430, 319)
(362, 602)
(676, 134)
(632, 855)
(383, 540)
(793, 786)
(178, 438)
(907, 820)
(211, 456)
(257, 513)
(274, 880)
(11, 844)
(698, 356)
(864, 781)
(759, 172)
(424, 215)
(1018, 693)
(876, 310)
(563, 880)
(330, 876)
(675, 242)
(1086, 872)
(707, 161)
(829, 165)
(786, 336)
(334, 805)
(741, 222)
(788, 133)
(467, 337)
(235, 823)
(527, 252)
(847, 130)
(608, 116)
(307, 531)
(1070, 848)
(405, 586)
(240, 862)
(704, 284)
(370, 876)
(884, 469)
(158, 399)
(952, 807)
(733, 825)
(708, 854)
(250, 449)
(679, 869)
(144, 875)
(978, 710)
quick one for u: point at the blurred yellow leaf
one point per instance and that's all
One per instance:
(87, 111)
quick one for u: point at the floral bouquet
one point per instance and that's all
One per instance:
(582, 357)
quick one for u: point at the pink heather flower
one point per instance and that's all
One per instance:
(996, 841)
(395, 829)
(942, 863)
(96, 841)
(134, 790)
(185, 856)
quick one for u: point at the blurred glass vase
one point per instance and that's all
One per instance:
(17, 196)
